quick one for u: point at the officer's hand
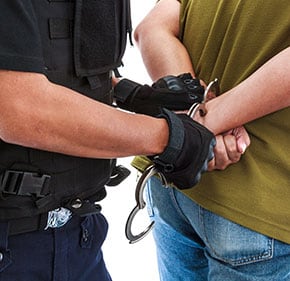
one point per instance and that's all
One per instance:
(171, 92)
(189, 150)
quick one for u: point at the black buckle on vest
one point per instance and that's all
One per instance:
(24, 183)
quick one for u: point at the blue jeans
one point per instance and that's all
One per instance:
(195, 244)
(69, 253)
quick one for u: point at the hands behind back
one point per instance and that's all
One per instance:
(229, 146)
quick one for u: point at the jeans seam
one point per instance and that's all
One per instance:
(268, 254)
(176, 205)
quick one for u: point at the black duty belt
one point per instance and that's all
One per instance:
(39, 222)
(21, 183)
(25, 184)
(23, 225)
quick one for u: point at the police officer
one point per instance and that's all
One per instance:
(60, 135)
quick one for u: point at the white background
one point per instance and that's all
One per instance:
(129, 262)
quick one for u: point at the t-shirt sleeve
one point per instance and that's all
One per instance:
(20, 43)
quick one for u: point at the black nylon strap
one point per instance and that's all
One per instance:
(24, 183)
(23, 225)
(125, 88)
(176, 139)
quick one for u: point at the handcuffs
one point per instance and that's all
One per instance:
(152, 171)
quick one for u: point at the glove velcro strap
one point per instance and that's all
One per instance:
(176, 138)
(124, 89)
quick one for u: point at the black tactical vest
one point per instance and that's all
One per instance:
(82, 41)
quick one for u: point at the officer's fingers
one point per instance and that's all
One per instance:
(211, 165)
(220, 154)
(210, 95)
(231, 147)
(181, 111)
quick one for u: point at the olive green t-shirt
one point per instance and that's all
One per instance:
(230, 39)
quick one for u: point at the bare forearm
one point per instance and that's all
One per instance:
(157, 39)
(264, 92)
(47, 116)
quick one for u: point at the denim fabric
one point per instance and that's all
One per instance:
(69, 253)
(195, 244)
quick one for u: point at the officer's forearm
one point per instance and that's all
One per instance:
(264, 92)
(42, 115)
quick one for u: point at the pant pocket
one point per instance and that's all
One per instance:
(233, 243)
(94, 230)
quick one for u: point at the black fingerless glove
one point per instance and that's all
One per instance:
(187, 154)
(171, 92)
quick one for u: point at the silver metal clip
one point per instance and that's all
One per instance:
(148, 173)
(212, 86)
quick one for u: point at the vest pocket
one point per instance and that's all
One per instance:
(100, 33)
